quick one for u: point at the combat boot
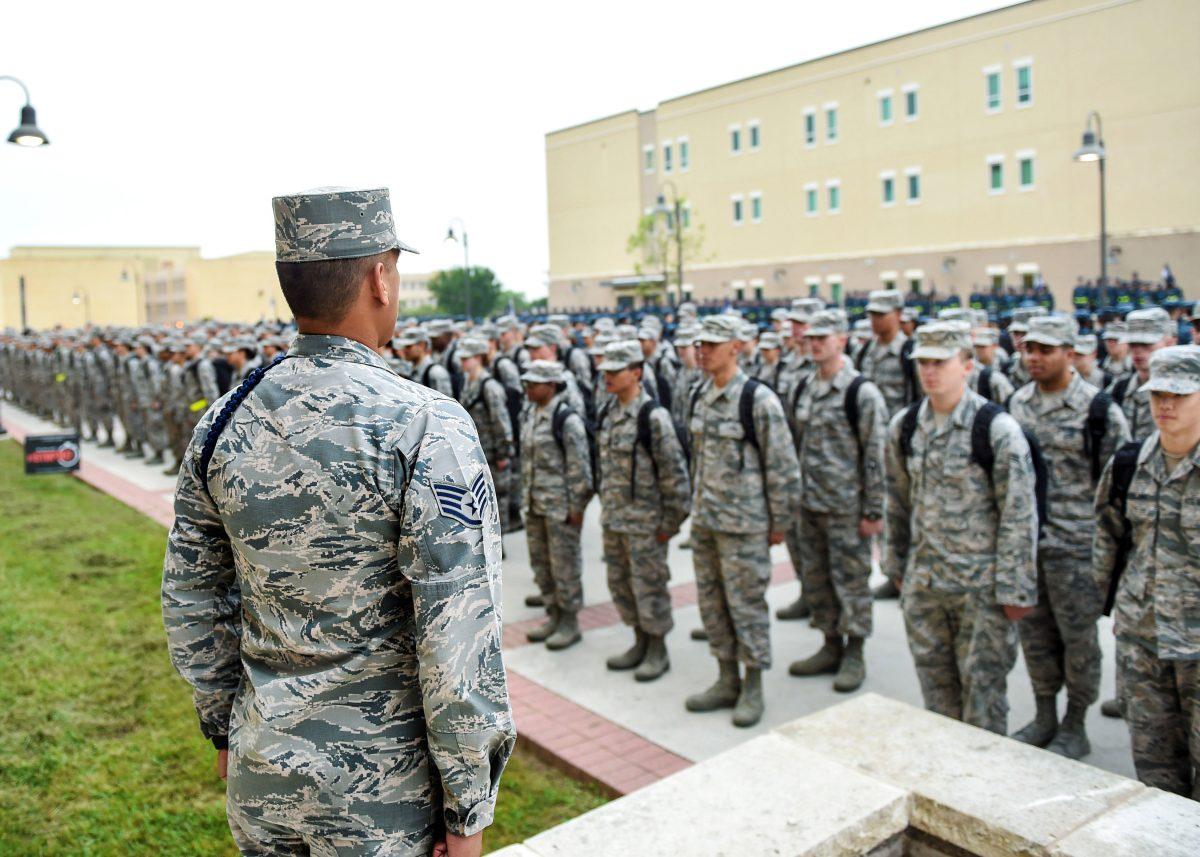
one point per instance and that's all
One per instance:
(156, 459)
(749, 708)
(1071, 739)
(173, 470)
(108, 441)
(723, 693)
(827, 659)
(699, 634)
(886, 591)
(566, 634)
(1112, 708)
(656, 661)
(535, 600)
(853, 669)
(633, 657)
(542, 632)
(1040, 731)
(798, 609)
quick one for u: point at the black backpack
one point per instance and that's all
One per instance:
(513, 424)
(745, 415)
(907, 365)
(849, 403)
(983, 384)
(1094, 431)
(646, 441)
(664, 386)
(562, 412)
(515, 399)
(1123, 469)
(982, 452)
(224, 373)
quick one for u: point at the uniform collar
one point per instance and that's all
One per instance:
(335, 348)
(735, 383)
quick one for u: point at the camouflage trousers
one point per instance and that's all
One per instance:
(557, 561)
(637, 580)
(733, 571)
(502, 479)
(791, 538)
(1162, 710)
(835, 564)
(963, 647)
(1059, 638)
(156, 429)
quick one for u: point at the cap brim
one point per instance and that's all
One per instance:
(713, 338)
(820, 331)
(1178, 386)
(1018, 327)
(801, 317)
(882, 308)
(1142, 338)
(1046, 339)
(933, 352)
(404, 248)
(527, 378)
(612, 366)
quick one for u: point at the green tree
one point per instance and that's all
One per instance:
(449, 289)
(657, 249)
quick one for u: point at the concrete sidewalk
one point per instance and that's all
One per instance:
(606, 726)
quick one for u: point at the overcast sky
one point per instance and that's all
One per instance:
(175, 123)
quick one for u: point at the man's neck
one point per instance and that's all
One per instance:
(831, 367)
(724, 375)
(1143, 375)
(629, 394)
(945, 403)
(474, 374)
(361, 333)
(1180, 444)
(1056, 384)
(886, 338)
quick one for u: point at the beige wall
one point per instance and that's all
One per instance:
(1135, 61)
(236, 288)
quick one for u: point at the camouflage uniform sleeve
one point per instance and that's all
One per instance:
(453, 564)
(1109, 529)
(1117, 435)
(898, 517)
(673, 482)
(578, 465)
(1002, 389)
(496, 401)
(208, 380)
(201, 604)
(1016, 532)
(439, 377)
(782, 477)
(872, 436)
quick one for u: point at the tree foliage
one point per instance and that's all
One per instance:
(449, 289)
(657, 250)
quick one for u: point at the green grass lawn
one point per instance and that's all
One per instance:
(99, 748)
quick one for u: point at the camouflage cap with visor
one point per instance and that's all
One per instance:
(334, 223)
(1175, 369)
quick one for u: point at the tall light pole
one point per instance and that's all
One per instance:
(27, 133)
(1093, 150)
(661, 210)
(83, 298)
(450, 236)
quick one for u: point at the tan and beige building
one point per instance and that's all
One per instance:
(44, 287)
(938, 159)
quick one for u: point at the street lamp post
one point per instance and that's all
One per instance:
(83, 298)
(450, 236)
(1093, 150)
(662, 210)
(27, 133)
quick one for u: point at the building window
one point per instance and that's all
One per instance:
(1024, 70)
(833, 193)
(888, 184)
(648, 159)
(995, 174)
(758, 286)
(991, 77)
(736, 200)
(735, 139)
(1025, 167)
(755, 135)
(885, 107)
(914, 285)
(739, 290)
(667, 163)
(913, 177)
(910, 101)
(810, 199)
(756, 206)
(685, 154)
(810, 127)
(831, 125)
(685, 215)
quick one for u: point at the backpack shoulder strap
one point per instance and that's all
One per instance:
(1124, 466)
(643, 425)
(746, 412)
(557, 421)
(850, 403)
(982, 452)
(801, 385)
(1096, 428)
(908, 427)
(983, 384)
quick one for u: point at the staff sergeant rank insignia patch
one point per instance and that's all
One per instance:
(466, 505)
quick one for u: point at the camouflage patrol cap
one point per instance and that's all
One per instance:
(621, 355)
(1175, 370)
(803, 309)
(748, 332)
(910, 313)
(827, 322)
(649, 332)
(601, 341)
(954, 313)
(941, 340)
(334, 223)
(439, 326)
(770, 339)
(651, 321)
(885, 300)
(1147, 326)
(543, 372)
(508, 322)
(471, 346)
(719, 328)
(1114, 330)
(625, 331)
(688, 308)
(1085, 343)
(779, 314)
(985, 336)
(604, 325)
(488, 331)
(543, 334)
(1023, 315)
(559, 320)
(412, 336)
(1053, 330)
(686, 334)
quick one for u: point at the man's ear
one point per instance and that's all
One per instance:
(378, 284)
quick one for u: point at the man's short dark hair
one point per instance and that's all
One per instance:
(325, 290)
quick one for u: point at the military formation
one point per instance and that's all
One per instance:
(976, 465)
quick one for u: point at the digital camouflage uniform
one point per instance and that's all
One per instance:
(632, 512)
(333, 596)
(739, 496)
(842, 481)
(555, 483)
(1157, 604)
(883, 366)
(964, 546)
(485, 401)
(999, 388)
(1059, 637)
(438, 376)
(199, 390)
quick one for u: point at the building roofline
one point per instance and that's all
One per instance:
(577, 125)
(192, 247)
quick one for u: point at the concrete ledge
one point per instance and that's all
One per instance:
(1151, 824)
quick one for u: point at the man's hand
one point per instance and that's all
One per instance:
(775, 538)
(662, 538)
(222, 763)
(868, 528)
(575, 520)
(459, 846)
(1015, 614)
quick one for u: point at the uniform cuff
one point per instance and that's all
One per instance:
(221, 742)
